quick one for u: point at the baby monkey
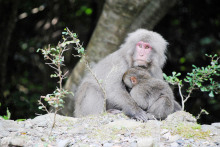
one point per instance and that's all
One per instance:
(152, 95)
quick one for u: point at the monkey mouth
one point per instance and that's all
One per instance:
(140, 62)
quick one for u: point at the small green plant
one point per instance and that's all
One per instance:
(8, 114)
(203, 111)
(201, 78)
(55, 58)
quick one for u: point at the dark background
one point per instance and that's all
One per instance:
(192, 29)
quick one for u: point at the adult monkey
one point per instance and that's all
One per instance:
(152, 95)
(140, 48)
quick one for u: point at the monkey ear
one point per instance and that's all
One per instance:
(133, 80)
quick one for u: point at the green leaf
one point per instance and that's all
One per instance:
(173, 73)
(199, 84)
(178, 74)
(74, 35)
(38, 50)
(8, 114)
(203, 89)
(194, 66)
(164, 75)
(81, 50)
(20, 120)
(211, 94)
(182, 60)
(64, 33)
(88, 11)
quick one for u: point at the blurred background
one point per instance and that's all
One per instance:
(192, 29)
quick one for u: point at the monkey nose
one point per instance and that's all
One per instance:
(141, 54)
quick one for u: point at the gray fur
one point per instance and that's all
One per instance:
(152, 95)
(89, 97)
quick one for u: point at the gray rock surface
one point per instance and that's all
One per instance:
(108, 130)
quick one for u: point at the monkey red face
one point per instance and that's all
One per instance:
(142, 54)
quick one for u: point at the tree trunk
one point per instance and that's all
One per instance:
(117, 19)
(8, 12)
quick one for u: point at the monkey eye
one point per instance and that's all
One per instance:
(147, 47)
(140, 45)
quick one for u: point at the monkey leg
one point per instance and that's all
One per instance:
(161, 108)
(90, 101)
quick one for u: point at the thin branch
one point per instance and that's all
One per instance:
(188, 96)
(77, 56)
(182, 98)
(100, 85)
(52, 66)
(44, 107)
(64, 75)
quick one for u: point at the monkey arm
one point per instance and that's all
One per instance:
(121, 99)
(138, 94)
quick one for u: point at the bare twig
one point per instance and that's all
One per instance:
(100, 85)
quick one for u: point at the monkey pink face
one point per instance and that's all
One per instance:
(142, 55)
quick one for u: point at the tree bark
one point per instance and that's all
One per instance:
(117, 19)
(8, 12)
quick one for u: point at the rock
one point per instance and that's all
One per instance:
(28, 124)
(171, 138)
(63, 143)
(164, 131)
(180, 116)
(167, 135)
(79, 130)
(4, 134)
(124, 123)
(174, 138)
(174, 144)
(133, 144)
(89, 131)
(107, 144)
(5, 141)
(17, 141)
(9, 125)
(217, 125)
(210, 128)
(180, 141)
(145, 142)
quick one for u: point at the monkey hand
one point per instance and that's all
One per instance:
(141, 115)
(150, 116)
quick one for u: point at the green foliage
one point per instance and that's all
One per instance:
(56, 61)
(174, 80)
(84, 9)
(56, 98)
(20, 120)
(202, 78)
(8, 116)
(203, 111)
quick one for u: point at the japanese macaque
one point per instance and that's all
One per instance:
(140, 48)
(153, 95)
